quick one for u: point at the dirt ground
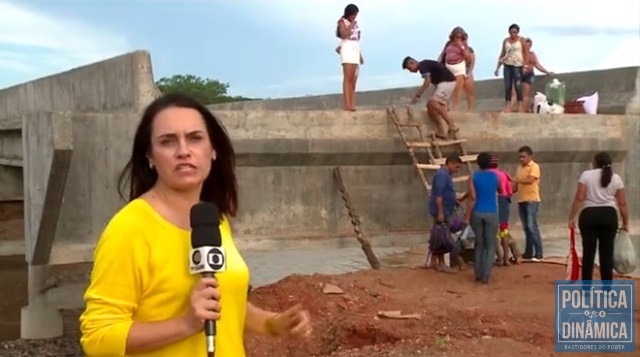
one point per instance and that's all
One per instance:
(457, 317)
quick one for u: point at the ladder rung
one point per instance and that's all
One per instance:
(429, 166)
(465, 158)
(418, 144)
(428, 144)
(408, 123)
(450, 142)
(464, 178)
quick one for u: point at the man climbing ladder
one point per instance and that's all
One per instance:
(445, 82)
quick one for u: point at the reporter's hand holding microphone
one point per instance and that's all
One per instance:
(205, 305)
(207, 258)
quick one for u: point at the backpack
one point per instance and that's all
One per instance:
(440, 240)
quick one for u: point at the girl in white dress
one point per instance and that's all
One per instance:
(350, 55)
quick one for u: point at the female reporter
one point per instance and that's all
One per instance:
(141, 299)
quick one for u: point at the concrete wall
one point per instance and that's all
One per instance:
(90, 196)
(633, 163)
(286, 161)
(616, 88)
(121, 84)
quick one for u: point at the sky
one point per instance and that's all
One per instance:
(285, 48)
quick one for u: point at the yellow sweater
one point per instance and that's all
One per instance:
(141, 273)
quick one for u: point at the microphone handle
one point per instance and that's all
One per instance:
(210, 328)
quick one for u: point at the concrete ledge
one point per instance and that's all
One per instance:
(11, 247)
(11, 162)
(11, 183)
(8, 124)
(119, 84)
(374, 124)
(616, 88)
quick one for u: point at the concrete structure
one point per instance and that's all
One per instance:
(68, 136)
(616, 88)
(41, 123)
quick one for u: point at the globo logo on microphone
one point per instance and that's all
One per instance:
(214, 260)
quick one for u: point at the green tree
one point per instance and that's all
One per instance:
(208, 91)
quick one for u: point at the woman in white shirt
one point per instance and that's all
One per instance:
(348, 32)
(599, 193)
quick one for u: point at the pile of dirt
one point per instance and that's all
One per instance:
(449, 313)
(444, 314)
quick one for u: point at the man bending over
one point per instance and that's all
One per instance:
(445, 82)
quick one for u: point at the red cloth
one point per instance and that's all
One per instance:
(573, 263)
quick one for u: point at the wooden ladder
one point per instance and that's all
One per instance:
(431, 144)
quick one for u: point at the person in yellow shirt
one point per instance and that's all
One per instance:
(141, 299)
(527, 185)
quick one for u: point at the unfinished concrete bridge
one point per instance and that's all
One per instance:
(64, 139)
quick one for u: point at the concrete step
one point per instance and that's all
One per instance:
(11, 247)
(10, 162)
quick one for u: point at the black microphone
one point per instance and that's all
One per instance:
(207, 254)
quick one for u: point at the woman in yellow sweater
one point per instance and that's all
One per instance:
(142, 300)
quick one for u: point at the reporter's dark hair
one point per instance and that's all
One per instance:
(220, 187)
(602, 160)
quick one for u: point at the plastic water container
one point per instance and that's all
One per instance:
(555, 92)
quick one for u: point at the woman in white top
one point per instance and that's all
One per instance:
(349, 34)
(599, 192)
(515, 56)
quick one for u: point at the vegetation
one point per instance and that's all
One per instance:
(208, 91)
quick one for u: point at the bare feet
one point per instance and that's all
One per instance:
(453, 131)
(441, 136)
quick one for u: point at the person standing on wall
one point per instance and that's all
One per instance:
(528, 76)
(514, 55)
(141, 299)
(348, 32)
(455, 56)
(599, 192)
(527, 185)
